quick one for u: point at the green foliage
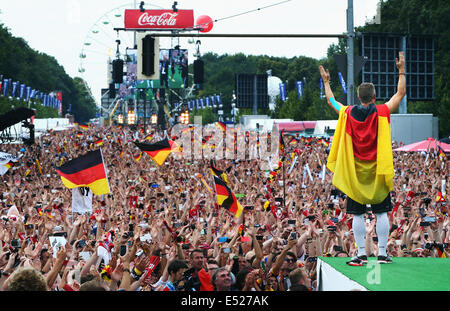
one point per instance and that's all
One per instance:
(206, 114)
(7, 104)
(42, 72)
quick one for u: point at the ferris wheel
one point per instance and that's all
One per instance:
(103, 44)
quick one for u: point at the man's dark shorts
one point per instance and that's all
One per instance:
(356, 208)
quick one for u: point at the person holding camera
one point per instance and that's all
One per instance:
(362, 161)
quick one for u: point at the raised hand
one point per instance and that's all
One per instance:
(325, 74)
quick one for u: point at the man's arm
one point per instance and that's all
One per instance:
(325, 74)
(395, 100)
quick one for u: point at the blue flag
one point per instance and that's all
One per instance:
(321, 89)
(283, 92)
(299, 89)
(5, 87)
(14, 89)
(343, 85)
(22, 91)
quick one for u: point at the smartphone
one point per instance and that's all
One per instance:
(312, 259)
(226, 250)
(64, 234)
(185, 246)
(222, 239)
(15, 243)
(335, 220)
(82, 243)
(422, 212)
(259, 237)
(331, 228)
(249, 207)
(294, 235)
(291, 222)
(203, 232)
(123, 250)
(375, 239)
(430, 219)
(337, 248)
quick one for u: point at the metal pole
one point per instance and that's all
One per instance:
(255, 96)
(403, 104)
(350, 58)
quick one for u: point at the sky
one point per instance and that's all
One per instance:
(61, 28)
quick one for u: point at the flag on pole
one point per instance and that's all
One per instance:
(226, 198)
(160, 150)
(138, 157)
(86, 171)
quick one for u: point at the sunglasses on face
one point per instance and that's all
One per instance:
(289, 260)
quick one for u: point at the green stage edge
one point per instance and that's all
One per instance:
(404, 274)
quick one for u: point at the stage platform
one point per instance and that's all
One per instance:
(404, 274)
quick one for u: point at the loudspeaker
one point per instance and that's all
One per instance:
(148, 55)
(117, 71)
(112, 90)
(198, 71)
(15, 116)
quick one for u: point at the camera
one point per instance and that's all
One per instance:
(259, 237)
(337, 248)
(15, 243)
(249, 208)
(123, 250)
(185, 246)
(312, 259)
(226, 250)
(427, 201)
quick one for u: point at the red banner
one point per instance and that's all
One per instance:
(159, 19)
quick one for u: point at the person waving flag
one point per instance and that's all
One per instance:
(226, 198)
(86, 171)
(160, 150)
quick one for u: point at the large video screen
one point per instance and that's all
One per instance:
(173, 70)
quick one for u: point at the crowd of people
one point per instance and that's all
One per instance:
(160, 227)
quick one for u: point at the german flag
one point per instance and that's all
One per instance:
(79, 134)
(148, 137)
(218, 173)
(226, 198)
(361, 154)
(282, 145)
(160, 150)
(98, 143)
(222, 126)
(86, 171)
(84, 127)
(138, 157)
(9, 164)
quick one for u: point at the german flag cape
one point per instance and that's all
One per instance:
(365, 181)
(160, 150)
(226, 198)
(86, 171)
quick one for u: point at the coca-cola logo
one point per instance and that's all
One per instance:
(164, 19)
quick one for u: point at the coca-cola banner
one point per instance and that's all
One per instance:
(159, 19)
